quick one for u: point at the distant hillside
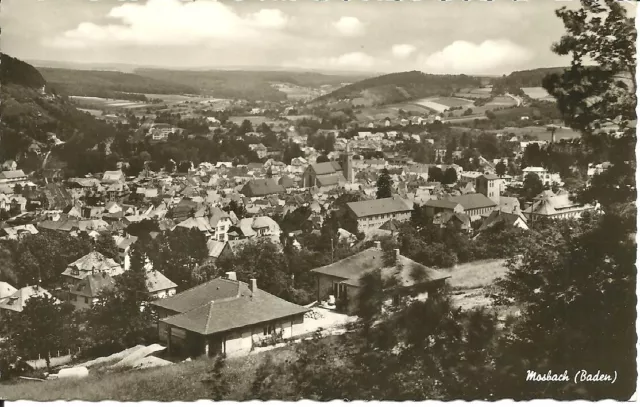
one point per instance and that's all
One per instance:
(398, 87)
(252, 85)
(15, 71)
(526, 79)
(28, 115)
(109, 84)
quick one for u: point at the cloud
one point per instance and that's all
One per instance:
(487, 57)
(351, 60)
(270, 18)
(349, 26)
(402, 50)
(173, 22)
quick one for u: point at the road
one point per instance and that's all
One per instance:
(516, 98)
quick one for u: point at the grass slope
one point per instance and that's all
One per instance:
(179, 382)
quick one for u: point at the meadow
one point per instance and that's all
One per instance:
(538, 93)
(474, 93)
(103, 103)
(441, 104)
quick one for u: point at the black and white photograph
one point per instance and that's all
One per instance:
(318, 200)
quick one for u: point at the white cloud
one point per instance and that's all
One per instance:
(351, 61)
(484, 58)
(349, 26)
(270, 18)
(173, 22)
(402, 50)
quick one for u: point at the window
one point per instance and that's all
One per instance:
(86, 300)
(269, 329)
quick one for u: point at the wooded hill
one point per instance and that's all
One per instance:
(401, 86)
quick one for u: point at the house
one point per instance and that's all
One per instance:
(551, 206)
(374, 213)
(265, 226)
(225, 316)
(10, 177)
(220, 222)
(124, 244)
(84, 293)
(342, 279)
(509, 219)
(10, 165)
(159, 286)
(113, 176)
(459, 220)
(17, 232)
(92, 263)
(474, 205)
(261, 187)
(17, 300)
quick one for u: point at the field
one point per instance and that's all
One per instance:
(474, 93)
(538, 93)
(380, 112)
(476, 274)
(103, 103)
(441, 104)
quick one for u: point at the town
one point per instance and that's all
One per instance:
(145, 231)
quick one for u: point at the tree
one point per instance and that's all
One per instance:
(599, 100)
(501, 169)
(120, 318)
(450, 176)
(384, 185)
(532, 186)
(177, 253)
(43, 327)
(435, 174)
(322, 159)
(107, 246)
(574, 282)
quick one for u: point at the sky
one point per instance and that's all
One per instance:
(441, 37)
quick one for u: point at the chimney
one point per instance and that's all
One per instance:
(378, 245)
(231, 275)
(254, 285)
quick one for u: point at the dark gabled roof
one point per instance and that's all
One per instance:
(261, 187)
(57, 196)
(378, 206)
(241, 307)
(473, 201)
(92, 284)
(326, 168)
(441, 203)
(217, 289)
(353, 267)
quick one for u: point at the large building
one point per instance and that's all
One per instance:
(475, 205)
(329, 175)
(374, 213)
(342, 279)
(551, 206)
(489, 186)
(225, 316)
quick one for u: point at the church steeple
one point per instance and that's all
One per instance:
(347, 165)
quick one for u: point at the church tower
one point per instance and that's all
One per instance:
(347, 166)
